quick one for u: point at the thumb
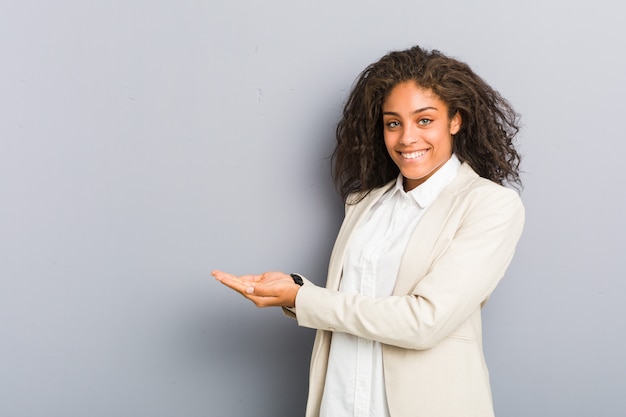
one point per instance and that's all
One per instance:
(262, 290)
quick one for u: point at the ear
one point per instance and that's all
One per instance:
(455, 123)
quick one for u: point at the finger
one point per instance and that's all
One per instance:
(220, 275)
(230, 280)
(263, 301)
(271, 290)
(234, 282)
(255, 291)
(252, 278)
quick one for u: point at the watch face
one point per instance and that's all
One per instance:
(297, 279)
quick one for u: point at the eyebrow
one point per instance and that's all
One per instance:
(391, 113)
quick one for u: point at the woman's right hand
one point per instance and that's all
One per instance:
(266, 290)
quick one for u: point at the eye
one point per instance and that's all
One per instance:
(392, 124)
(424, 122)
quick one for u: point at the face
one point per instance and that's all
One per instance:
(418, 132)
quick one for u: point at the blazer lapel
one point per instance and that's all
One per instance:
(417, 256)
(354, 215)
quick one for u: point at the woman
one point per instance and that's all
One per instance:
(423, 149)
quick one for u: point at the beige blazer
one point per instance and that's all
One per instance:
(431, 325)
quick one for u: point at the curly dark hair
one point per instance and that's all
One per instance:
(485, 140)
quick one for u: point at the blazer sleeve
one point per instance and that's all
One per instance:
(460, 279)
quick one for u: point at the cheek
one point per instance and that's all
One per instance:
(444, 142)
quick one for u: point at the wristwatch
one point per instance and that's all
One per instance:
(297, 279)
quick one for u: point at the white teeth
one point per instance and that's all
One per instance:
(413, 155)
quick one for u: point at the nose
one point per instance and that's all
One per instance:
(408, 137)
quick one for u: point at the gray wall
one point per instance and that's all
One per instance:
(144, 143)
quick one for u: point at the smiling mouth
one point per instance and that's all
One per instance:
(413, 155)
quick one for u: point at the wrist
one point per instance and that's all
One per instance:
(298, 281)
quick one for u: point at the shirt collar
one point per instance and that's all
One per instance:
(426, 193)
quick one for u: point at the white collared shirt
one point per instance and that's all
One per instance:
(355, 385)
